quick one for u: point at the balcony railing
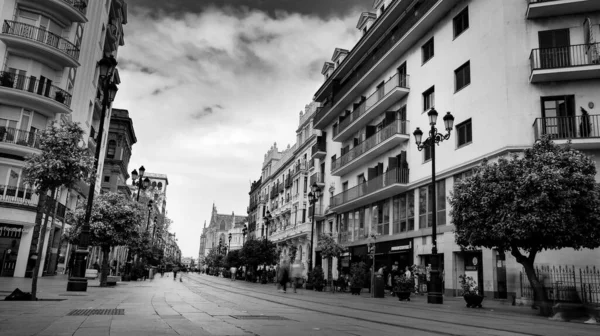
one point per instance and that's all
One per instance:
(398, 175)
(18, 195)
(397, 127)
(40, 35)
(575, 127)
(397, 81)
(311, 164)
(34, 85)
(317, 178)
(565, 57)
(80, 5)
(369, 60)
(320, 146)
(19, 137)
(318, 210)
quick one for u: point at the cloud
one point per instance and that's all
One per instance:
(210, 92)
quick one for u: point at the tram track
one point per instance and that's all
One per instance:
(476, 328)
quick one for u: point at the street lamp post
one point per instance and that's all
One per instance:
(78, 282)
(313, 198)
(268, 218)
(434, 293)
(244, 232)
(229, 248)
(150, 202)
(143, 183)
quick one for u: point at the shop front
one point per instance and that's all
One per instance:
(386, 254)
(10, 240)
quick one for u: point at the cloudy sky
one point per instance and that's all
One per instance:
(212, 84)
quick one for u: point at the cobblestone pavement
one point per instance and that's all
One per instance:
(206, 305)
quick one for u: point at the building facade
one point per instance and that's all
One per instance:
(219, 227)
(121, 138)
(253, 208)
(532, 63)
(48, 72)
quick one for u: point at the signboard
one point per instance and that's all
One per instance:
(11, 231)
(400, 248)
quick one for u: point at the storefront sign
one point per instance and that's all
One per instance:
(345, 254)
(400, 247)
(10, 231)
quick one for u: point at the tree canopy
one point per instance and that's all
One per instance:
(329, 247)
(62, 161)
(258, 252)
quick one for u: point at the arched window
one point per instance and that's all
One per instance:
(111, 149)
(159, 185)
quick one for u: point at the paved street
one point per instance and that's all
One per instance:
(205, 305)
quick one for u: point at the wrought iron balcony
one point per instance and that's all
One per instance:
(319, 150)
(34, 86)
(19, 137)
(546, 8)
(381, 187)
(389, 93)
(375, 145)
(573, 62)
(318, 178)
(319, 213)
(40, 37)
(582, 130)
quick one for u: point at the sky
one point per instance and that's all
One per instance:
(212, 84)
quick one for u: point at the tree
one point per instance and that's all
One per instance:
(214, 259)
(258, 252)
(546, 200)
(330, 249)
(115, 221)
(61, 162)
(233, 259)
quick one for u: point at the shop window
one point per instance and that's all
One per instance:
(426, 205)
(381, 218)
(403, 213)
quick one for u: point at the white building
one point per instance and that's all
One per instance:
(48, 71)
(499, 67)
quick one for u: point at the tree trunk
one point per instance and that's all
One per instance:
(105, 267)
(60, 233)
(541, 299)
(40, 247)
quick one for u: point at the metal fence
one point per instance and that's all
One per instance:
(565, 284)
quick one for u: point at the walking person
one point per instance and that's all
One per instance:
(175, 270)
(284, 275)
(233, 271)
(297, 270)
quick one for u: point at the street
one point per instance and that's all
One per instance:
(206, 305)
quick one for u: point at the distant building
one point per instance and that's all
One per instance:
(121, 137)
(219, 227)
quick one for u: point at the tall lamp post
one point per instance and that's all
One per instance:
(143, 183)
(268, 218)
(434, 293)
(244, 233)
(77, 281)
(229, 248)
(313, 198)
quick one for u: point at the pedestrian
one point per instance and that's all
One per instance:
(407, 273)
(297, 270)
(233, 271)
(283, 275)
(175, 270)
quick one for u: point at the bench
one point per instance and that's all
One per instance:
(112, 280)
(91, 273)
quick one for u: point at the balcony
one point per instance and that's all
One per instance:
(39, 44)
(319, 213)
(311, 165)
(18, 195)
(583, 131)
(405, 27)
(70, 10)
(390, 183)
(319, 149)
(291, 231)
(299, 167)
(574, 62)
(318, 178)
(17, 140)
(544, 8)
(385, 140)
(33, 93)
(389, 93)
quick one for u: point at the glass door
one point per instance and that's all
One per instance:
(558, 115)
(554, 48)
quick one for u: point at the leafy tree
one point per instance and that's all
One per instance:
(258, 252)
(233, 259)
(214, 259)
(330, 249)
(115, 221)
(62, 162)
(546, 200)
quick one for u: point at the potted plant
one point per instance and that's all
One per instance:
(318, 278)
(470, 291)
(403, 285)
(357, 277)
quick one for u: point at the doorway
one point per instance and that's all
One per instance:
(554, 48)
(558, 113)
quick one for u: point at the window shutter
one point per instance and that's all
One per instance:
(371, 173)
(370, 130)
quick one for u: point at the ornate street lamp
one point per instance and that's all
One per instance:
(313, 198)
(107, 69)
(229, 249)
(143, 183)
(267, 219)
(244, 232)
(434, 294)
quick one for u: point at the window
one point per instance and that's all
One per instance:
(462, 76)
(426, 205)
(429, 98)
(112, 148)
(381, 218)
(107, 179)
(558, 115)
(464, 133)
(427, 50)
(404, 213)
(463, 175)
(461, 22)
(426, 154)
